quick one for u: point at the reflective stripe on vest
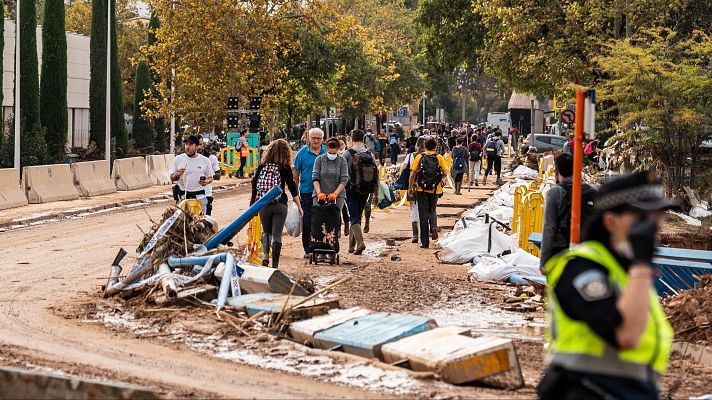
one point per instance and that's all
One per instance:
(575, 346)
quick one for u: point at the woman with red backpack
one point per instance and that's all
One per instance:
(274, 170)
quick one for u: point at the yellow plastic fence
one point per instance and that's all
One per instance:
(519, 193)
(529, 210)
(229, 160)
(253, 160)
(382, 173)
(253, 248)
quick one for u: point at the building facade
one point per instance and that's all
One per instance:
(77, 82)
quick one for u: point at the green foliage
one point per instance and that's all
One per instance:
(33, 149)
(29, 79)
(53, 88)
(97, 83)
(142, 129)
(660, 88)
(161, 140)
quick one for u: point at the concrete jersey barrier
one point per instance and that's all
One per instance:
(158, 169)
(11, 194)
(45, 183)
(92, 178)
(130, 174)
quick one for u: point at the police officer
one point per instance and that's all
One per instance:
(608, 337)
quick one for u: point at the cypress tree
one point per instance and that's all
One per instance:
(2, 119)
(161, 142)
(53, 84)
(97, 84)
(29, 79)
(118, 124)
(97, 70)
(142, 131)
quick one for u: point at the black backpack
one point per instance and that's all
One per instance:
(429, 172)
(475, 152)
(587, 211)
(363, 172)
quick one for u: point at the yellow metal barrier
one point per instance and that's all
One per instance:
(254, 249)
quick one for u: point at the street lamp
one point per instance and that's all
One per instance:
(425, 97)
(17, 87)
(107, 129)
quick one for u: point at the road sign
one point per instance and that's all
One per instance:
(559, 104)
(568, 117)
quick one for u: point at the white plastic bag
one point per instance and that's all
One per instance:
(294, 220)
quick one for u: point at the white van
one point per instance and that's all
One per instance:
(500, 119)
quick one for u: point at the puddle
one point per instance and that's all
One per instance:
(489, 320)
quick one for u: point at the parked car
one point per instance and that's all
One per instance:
(543, 142)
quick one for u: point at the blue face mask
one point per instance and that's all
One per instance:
(331, 157)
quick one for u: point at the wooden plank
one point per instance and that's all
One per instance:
(458, 358)
(365, 335)
(304, 331)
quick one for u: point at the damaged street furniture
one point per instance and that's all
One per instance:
(11, 193)
(303, 331)
(364, 336)
(677, 267)
(459, 358)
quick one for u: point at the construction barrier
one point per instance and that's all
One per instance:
(11, 194)
(130, 174)
(529, 207)
(158, 169)
(92, 178)
(45, 183)
(229, 160)
(254, 249)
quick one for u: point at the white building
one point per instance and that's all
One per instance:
(77, 81)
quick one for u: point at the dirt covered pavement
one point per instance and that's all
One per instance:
(53, 318)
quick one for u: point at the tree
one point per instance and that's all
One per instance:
(97, 83)
(142, 130)
(29, 79)
(161, 142)
(661, 85)
(53, 89)
(33, 149)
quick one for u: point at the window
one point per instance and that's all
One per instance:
(558, 141)
(543, 139)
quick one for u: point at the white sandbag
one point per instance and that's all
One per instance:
(699, 212)
(293, 224)
(687, 218)
(498, 269)
(523, 171)
(462, 246)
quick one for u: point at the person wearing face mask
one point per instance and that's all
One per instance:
(556, 229)
(609, 337)
(330, 176)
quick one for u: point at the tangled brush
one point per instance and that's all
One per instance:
(187, 231)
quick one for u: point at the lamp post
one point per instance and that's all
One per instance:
(424, 99)
(107, 129)
(17, 87)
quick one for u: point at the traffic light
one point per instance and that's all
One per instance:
(255, 120)
(232, 103)
(233, 122)
(255, 103)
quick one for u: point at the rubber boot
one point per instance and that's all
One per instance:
(352, 239)
(415, 232)
(367, 223)
(276, 251)
(358, 238)
(346, 228)
(265, 251)
(458, 186)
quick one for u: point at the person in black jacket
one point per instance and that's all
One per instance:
(556, 231)
(275, 169)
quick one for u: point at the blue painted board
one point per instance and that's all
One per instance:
(365, 335)
(520, 279)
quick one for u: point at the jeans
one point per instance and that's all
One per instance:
(474, 173)
(495, 161)
(395, 149)
(356, 203)
(306, 200)
(427, 203)
(458, 177)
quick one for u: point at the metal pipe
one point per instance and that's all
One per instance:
(107, 133)
(143, 268)
(225, 281)
(175, 262)
(577, 150)
(167, 283)
(116, 268)
(235, 226)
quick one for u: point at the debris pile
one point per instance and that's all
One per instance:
(690, 313)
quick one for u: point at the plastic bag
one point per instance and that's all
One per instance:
(294, 220)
